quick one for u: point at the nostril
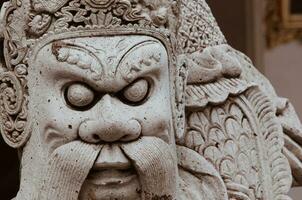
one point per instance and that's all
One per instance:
(128, 138)
(112, 131)
(133, 130)
(96, 137)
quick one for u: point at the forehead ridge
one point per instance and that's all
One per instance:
(99, 44)
(104, 59)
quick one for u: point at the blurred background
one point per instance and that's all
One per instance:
(268, 31)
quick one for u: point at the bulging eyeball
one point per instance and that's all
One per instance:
(137, 91)
(79, 95)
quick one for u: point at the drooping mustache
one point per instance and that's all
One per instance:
(156, 165)
(70, 164)
(67, 170)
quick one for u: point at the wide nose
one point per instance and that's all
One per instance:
(110, 125)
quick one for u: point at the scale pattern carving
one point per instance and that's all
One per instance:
(243, 140)
(224, 136)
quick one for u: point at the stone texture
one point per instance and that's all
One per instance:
(127, 99)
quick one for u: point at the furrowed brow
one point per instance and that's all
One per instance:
(131, 69)
(79, 56)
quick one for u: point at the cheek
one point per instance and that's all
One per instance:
(157, 118)
(156, 114)
(56, 123)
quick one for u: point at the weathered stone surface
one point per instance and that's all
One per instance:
(127, 99)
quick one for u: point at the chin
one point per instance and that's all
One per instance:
(95, 190)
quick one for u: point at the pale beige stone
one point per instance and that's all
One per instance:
(129, 100)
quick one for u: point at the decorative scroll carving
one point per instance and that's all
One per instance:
(14, 95)
(13, 116)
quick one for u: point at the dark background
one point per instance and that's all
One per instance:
(296, 7)
(232, 23)
(8, 172)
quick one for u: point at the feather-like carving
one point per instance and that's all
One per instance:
(200, 95)
(278, 165)
(233, 124)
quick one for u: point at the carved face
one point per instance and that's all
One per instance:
(111, 91)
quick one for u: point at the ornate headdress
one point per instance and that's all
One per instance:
(183, 26)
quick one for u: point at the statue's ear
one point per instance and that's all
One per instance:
(13, 98)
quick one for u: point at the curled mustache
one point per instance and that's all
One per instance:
(156, 165)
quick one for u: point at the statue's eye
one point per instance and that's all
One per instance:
(79, 96)
(136, 92)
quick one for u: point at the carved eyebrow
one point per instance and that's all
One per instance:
(131, 50)
(63, 53)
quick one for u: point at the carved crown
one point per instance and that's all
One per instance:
(189, 24)
(185, 26)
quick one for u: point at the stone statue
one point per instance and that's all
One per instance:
(139, 99)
